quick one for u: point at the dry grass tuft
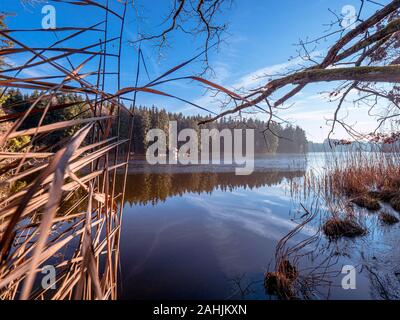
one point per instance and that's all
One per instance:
(366, 201)
(280, 282)
(277, 284)
(388, 218)
(335, 228)
(395, 202)
(383, 195)
(365, 175)
(286, 281)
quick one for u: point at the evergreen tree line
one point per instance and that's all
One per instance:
(288, 139)
(17, 102)
(338, 146)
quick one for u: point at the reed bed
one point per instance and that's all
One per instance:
(335, 200)
(67, 215)
(58, 205)
(349, 184)
(365, 179)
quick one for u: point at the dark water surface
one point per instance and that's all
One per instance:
(191, 234)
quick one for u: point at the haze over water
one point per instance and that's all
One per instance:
(196, 233)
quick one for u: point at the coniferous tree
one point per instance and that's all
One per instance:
(278, 139)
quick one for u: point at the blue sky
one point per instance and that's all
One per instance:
(261, 38)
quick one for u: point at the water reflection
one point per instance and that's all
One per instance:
(201, 235)
(145, 188)
(213, 235)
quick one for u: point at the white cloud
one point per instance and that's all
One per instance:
(258, 77)
(311, 109)
(40, 71)
(248, 81)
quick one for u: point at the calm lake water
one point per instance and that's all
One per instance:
(205, 233)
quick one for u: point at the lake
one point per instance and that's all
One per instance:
(202, 232)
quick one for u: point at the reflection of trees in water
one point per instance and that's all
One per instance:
(144, 188)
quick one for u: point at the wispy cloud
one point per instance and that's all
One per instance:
(36, 72)
(311, 109)
(258, 77)
(223, 76)
(250, 80)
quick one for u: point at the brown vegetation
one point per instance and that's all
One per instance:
(39, 224)
(388, 218)
(365, 201)
(383, 195)
(69, 213)
(352, 181)
(280, 282)
(286, 280)
(395, 202)
(335, 228)
(366, 179)
(370, 176)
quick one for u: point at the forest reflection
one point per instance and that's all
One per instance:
(146, 188)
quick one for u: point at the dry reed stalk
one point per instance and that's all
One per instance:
(32, 229)
(37, 226)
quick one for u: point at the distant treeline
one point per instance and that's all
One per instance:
(14, 101)
(284, 139)
(338, 146)
(287, 139)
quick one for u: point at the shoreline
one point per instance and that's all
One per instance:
(278, 163)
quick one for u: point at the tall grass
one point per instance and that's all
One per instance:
(335, 198)
(59, 205)
(39, 225)
(355, 174)
(349, 183)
